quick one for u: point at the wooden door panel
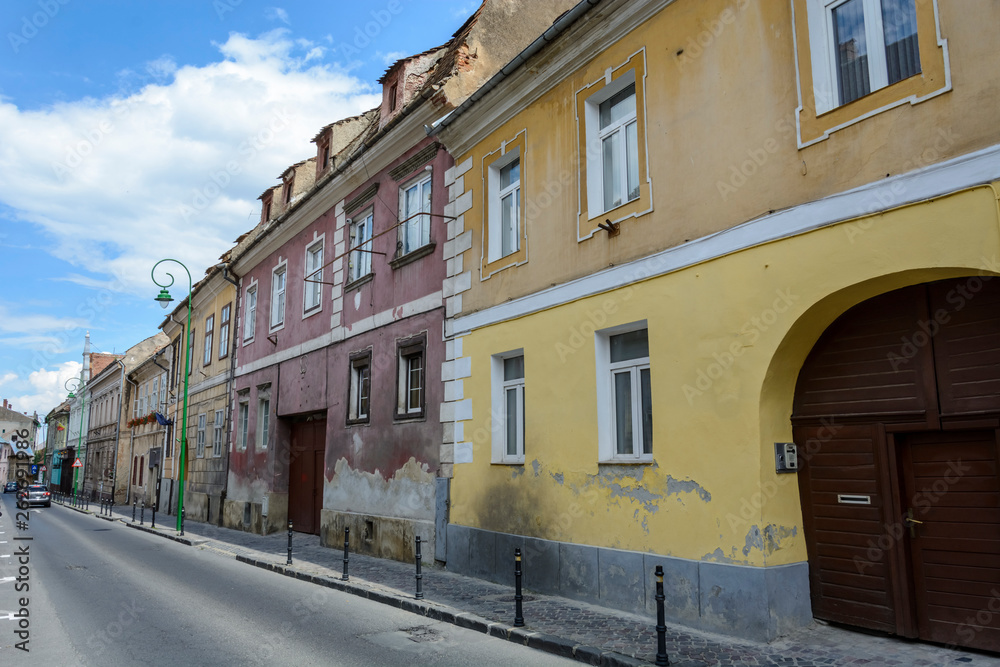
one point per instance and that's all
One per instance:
(954, 561)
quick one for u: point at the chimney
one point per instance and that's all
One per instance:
(5, 404)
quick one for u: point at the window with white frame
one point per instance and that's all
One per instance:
(414, 200)
(263, 422)
(278, 297)
(250, 323)
(618, 133)
(410, 389)
(861, 46)
(209, 334)
(190, 349)
(313, 290)
(217, 434)
(154, 395)
(162, 404)
(242, 420)
(361, 246)
(359, 404)
(224, 322)
(507, 380)
(200, 451)
(505, 206)
(625, 418)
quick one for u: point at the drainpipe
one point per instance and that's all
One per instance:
(131, 450)
(235, 327)
(174, 362)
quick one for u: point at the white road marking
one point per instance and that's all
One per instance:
(4, 580)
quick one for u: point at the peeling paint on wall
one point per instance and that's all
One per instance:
(408, 494)
(678, 486)
(774, 534)
(754, 540)
(558, 477)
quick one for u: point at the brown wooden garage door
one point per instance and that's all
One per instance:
(305, 475)
(897, 415)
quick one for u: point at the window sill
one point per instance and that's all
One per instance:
(410, 417)
(413, 255)
(314, 310)
(626, 462)
(359, 422)
(358, 282)
(519, 462)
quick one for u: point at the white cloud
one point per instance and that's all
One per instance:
(173, 167)
(391, 57)
(272, 13)
(45, 388)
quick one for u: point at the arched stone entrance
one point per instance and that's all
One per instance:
(897, 418)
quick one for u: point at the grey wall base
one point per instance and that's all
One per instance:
(759, 603)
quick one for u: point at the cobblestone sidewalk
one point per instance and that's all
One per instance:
(601, 635)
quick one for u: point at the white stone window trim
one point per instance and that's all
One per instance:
(218, 436)
(357, 258)
(594, 135)
(308, 307)
(426, 176)
(498, 409)
(606, 450)
(820, 32)
(250, 318)
(263, 425)
(242, 421)
(202, 425)
(281, 269)
(494, 216)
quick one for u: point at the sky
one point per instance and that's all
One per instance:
(136, 131)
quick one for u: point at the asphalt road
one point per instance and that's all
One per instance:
(102, 594)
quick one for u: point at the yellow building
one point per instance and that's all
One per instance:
(213, 330)
(692, 232)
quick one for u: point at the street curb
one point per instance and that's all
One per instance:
(75, 509)
(439, 612)
(175, 538)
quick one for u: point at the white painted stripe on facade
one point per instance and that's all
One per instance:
(340, 333)
(945, 178)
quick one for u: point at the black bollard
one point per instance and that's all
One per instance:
(111, 507)
(152, 523)
(347, 539)
(134, 503)
(289, 560)
(518, 611)
(142, 513)
(182, 522)
(420, 577)
(661, 625)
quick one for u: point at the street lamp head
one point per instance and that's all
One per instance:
(164, 298)
(70, 396)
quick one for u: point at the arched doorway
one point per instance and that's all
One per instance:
(897, 418)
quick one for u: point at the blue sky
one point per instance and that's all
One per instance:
(117, 118)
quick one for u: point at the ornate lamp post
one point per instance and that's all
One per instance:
(164, 299)
(83, 405)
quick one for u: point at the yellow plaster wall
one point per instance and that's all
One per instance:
(720, 91)
(712, 483)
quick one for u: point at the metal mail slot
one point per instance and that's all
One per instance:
(854, 500)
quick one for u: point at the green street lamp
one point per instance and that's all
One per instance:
(80, 386)
(164, 300)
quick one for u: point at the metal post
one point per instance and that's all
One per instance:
(420, 583)
(182, 521)
(347, 539)
(661, 625)
(134, 503)
(111, 507)
(153, 522)
(142, 513)
(518, 611)
(289, 560)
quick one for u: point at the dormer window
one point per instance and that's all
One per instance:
(286, 194)
(324, 150)
(265, 207)
(392, 98)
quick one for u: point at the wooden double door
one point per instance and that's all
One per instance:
(306, 471)
(897, 418)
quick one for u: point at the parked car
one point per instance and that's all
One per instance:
(10, 487)
(35, 494)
